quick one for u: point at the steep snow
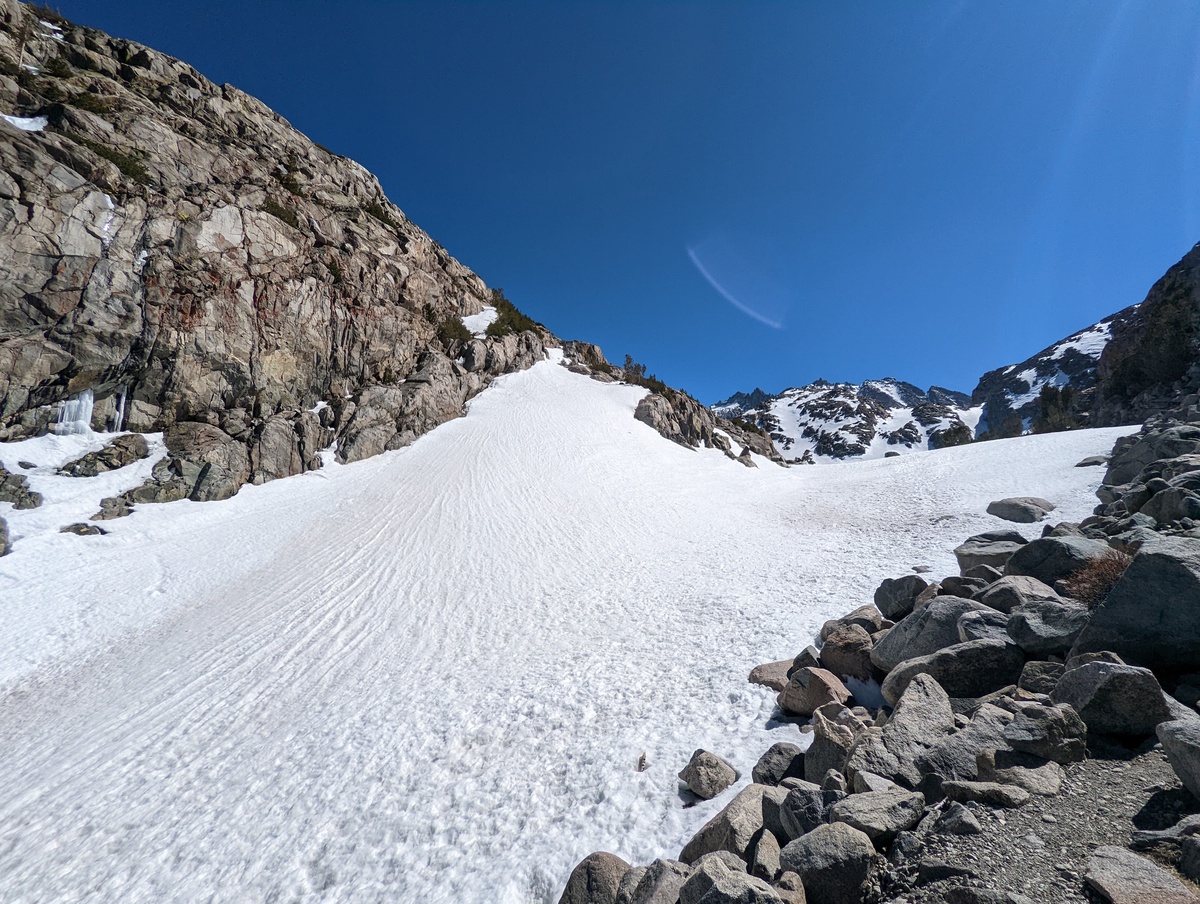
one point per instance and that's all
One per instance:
(478, 323)
(428, 676)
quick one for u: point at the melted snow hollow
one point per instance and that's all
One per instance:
(429, 676)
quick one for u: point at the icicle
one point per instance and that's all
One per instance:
(119, 417)
(75, 415)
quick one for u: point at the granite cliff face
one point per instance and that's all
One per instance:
(179, 251)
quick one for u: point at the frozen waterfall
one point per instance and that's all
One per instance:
(75, 415)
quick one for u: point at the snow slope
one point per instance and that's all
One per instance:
(428, 676)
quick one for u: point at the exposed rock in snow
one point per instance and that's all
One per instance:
(846, 420)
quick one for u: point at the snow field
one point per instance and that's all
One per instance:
(429, 676)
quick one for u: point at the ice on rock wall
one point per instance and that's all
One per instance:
(75, 415)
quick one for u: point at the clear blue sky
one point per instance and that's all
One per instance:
(753, 194)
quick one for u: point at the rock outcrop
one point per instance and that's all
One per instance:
(179, 251)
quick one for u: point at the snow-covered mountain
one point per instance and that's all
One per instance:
(873, 419)
(1011, 397)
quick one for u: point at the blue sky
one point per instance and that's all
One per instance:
(753, 194)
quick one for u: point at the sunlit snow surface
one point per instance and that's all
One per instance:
(478, 323)
(428, 676)
(26, 123)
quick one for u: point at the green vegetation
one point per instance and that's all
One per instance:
(289, 181)
(1055, 414)
(509, 319)
(635, 373)
(335, 270)
(277, 210)
(377, 210)
(93, 103)
(130, 164)
(748, 426)
(452, 330)
(57, 67)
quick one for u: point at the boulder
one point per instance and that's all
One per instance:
(734, 828)
(714, 881)
(1122, 877)
(1152, 614)
(985, 573)
(835, 730)
(993, 548)
(14, 488)
(1052, 732)
(595, 880)
(791, 888)
(1050, 559)
(983, 624)
(1008, 767)
(847, 652)
(969, 669)
(1181, 741)
(661, 883)
(629, 884)
(1113, 699)
(808, 658)
(921, 720)
(956, 819)
(211, 464)
(5, 542)
(962, 586)
(925, 631)
(956, 755)
(805, 809)
(1039, 677)
(707, 775)
(771, 674)
(895, 597)
(993, 794)
(119, 452)
(1013, 591)
(764, 858)
(880, 814)
(782, 760)
(833, 861)
(809, 689)
(1043, 626)
(864, 782)
(1021, 509)
(1172, 503)
(967, 894)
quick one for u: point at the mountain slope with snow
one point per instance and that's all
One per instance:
(832, 421)
(429, 675)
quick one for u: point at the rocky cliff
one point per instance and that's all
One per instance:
(173, 252)
(1141, 361)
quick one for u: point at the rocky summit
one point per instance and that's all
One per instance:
(847, 420)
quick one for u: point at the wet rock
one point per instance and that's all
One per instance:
(1021, 509)
(1113, 699)
(595, 880)
(707, 775)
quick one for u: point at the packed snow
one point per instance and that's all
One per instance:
(429, 676)
(26, 123)
(478, 323)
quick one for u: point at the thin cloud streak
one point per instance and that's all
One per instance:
(745, 309)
